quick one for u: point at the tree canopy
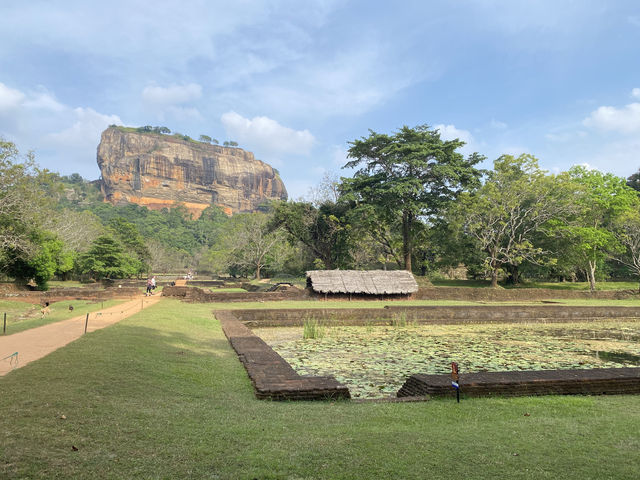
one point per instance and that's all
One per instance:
(407, 175)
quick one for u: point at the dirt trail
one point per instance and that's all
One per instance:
(37, 342)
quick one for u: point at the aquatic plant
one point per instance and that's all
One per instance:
(374, 361)
(313, 329)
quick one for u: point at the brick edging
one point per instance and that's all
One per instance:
(272, 377)
(595, 381)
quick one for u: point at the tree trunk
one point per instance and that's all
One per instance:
(514, 274)
(406, 239)
(495, 266)
(494, 277)
(592, 276)
(258, 272)
(423, 265)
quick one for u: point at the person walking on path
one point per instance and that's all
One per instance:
(149, 286)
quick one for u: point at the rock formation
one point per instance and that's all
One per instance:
(160, 171)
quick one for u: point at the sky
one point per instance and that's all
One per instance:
(296, 81)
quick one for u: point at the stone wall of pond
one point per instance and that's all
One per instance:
(597, 381)
(272, 377)
(517, 294)
(435, 315)
(80, 293)
(195, 294)
(430, 293)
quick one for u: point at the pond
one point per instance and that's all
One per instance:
(374, 361)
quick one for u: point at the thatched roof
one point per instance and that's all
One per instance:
(372, 282)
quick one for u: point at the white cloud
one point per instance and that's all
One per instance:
(10, 98)
(635, 93)
(619, 157)
(566, 136)
(171, 95)
(559, 137)
(44, 101)
(345, 82)
(85, 132)
(450, 132)
(497, 124)
(173, 101)
(266, 135)
(623, 120)
(63, 138)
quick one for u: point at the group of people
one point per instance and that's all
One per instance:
(151, 285)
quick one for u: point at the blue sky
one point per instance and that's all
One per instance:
(295, 81)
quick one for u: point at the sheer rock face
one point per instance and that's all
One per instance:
(159, 171)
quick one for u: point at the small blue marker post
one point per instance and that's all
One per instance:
(455, 380)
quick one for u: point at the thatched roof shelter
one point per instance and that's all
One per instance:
(371, 282)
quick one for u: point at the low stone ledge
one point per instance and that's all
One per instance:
(596, 381)
(59, 294)
(195, 294)
(516, 294)
(435, 315)
(272, 377)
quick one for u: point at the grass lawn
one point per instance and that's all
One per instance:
(162, 395)
(23, 316)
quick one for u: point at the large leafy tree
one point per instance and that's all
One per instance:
(130, 238)
(49, 259)
(601, 199)
(249, 245)
(107, 259)
(628, 234)
(21, 202)
(633, 181)
(27, 249)
(505, 215)
(324, 230)
(408, 175)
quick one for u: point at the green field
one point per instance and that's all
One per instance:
(162, 395)
(23, 316)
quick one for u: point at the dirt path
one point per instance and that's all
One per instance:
(37, 342)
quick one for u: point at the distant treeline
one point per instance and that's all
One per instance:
(414, 202)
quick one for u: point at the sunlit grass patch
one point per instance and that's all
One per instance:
(162, 395)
